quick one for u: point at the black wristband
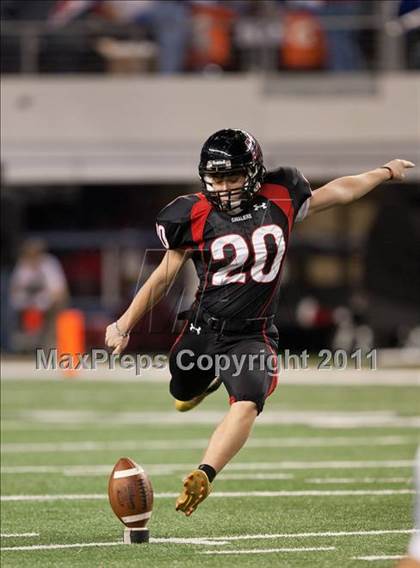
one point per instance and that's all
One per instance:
(390, 171)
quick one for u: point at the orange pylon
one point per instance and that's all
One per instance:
(71, 339)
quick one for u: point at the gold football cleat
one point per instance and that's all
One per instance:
(196, 488)
(185, 405)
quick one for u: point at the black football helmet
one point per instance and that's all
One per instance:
(228, 152)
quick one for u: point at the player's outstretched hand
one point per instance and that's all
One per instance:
(115, 339)
(398, 168)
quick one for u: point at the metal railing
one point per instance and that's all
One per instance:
(255, 36)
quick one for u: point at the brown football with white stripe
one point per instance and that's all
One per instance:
(130, 493)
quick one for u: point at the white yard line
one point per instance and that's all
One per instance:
(199, 443)
(319, 419)
(223, 494)
(168, 469)
(223, 540)
(57, 546)
(314, 534)
(350, 480)
(22, 426)
(221, 477)
(196, 541)
(171, 540)
(152, 541)
(336, 464)
(372, 558)
(270, 550)
(333, 493)
(306, 442)
(18, 535)
(57, 497)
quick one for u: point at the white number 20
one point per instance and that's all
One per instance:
(224, 276)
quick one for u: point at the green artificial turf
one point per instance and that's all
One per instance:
(111, 424)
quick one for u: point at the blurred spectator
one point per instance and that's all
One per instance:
(304, 41)
(168, 23)
(343, 48)
(211, 41)
(310, 45)
(172, 36)
(38, 291)
(409, 11)
(25, 11)
(408, 23)
(19, 11)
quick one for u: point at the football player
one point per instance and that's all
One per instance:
(236, 231)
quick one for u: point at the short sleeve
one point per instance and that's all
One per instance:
(297, 186)
(300, 191)
(173, 223)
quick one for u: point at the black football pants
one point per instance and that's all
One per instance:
(246, 363)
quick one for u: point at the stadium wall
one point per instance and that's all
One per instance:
(150, 129)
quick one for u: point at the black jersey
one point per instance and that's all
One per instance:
(238, 258)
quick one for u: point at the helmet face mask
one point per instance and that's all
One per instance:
(231, 153)
(233, 198)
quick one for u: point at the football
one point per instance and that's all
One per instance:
(130, 493)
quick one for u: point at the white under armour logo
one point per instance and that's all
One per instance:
(196, 329)
(262, 206)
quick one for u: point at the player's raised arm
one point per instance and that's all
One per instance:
(346, 189)
(118, 333)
